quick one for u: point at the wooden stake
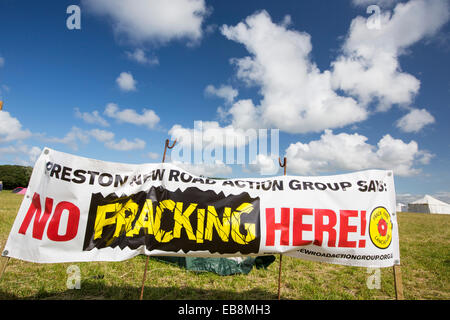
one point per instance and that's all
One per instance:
(398, 282)
(167, 145)
(4, 266)
(283, 165)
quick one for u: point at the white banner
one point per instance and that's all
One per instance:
(78, 209)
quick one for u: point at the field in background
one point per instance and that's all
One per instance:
(424, 251)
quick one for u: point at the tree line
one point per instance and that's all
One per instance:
(14, 176)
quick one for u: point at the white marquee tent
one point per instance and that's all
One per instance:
(428, 204)
(401, 207)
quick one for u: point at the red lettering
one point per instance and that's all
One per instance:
(283, 226)
(72, 222)
(299, 226)
(344, 229)
(39, 221)
(325, 221)
(320, 227)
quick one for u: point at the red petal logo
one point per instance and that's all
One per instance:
(382, 227)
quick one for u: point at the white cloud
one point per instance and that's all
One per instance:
(152, 20)
(216, 169)
(443, 196)
(139, 56)
(126, 82)
(382, 3)
(2, 62)
(350, 152)
(224, 91)
(415, 120)
(101, 135)
(11, 128)
(25, 155)
(296, 96)
(72, 138)
(153, 155)
(34, 153)
(107, 137)
(148, 117)
(265, 165)
(210, 134)
(209, 142)
(406, 198)
(93, 117)
(369, 68)
(126, 145)
(4, 89)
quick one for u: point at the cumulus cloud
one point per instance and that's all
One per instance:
(265, 165)
(93, 117)
(152, 20)
(216, 169)
(148, 117)
(141, 57)
(210, 134)
(101, 135)
(107, 137)
(153, 155)
(24, 155)
(126, 82)
(126, 145)
(72, 138)
(365, 77)
(11, 128)
(209, 142)
(349, 152)
(415, 120)
(369, 67)
(382, 3)
(77, 135)
(228, 93)
(296, 96)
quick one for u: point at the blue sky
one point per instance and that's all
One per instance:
(348, 88)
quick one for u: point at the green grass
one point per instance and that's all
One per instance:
(424, 249)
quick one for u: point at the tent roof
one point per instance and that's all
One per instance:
(430, 200)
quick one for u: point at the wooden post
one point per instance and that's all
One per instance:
(2, 271)
(1, 105)
(167, 145)
(398, 282)
(283, 165)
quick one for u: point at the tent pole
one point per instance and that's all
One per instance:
(282, 165)
(167, 145)
(398, 282)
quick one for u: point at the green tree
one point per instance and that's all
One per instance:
(14, 176)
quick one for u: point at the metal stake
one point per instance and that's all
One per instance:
(167, 145)
(283, 165)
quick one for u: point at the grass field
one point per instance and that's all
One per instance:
(424, 250)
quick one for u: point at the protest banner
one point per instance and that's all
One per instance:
(78, 209)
